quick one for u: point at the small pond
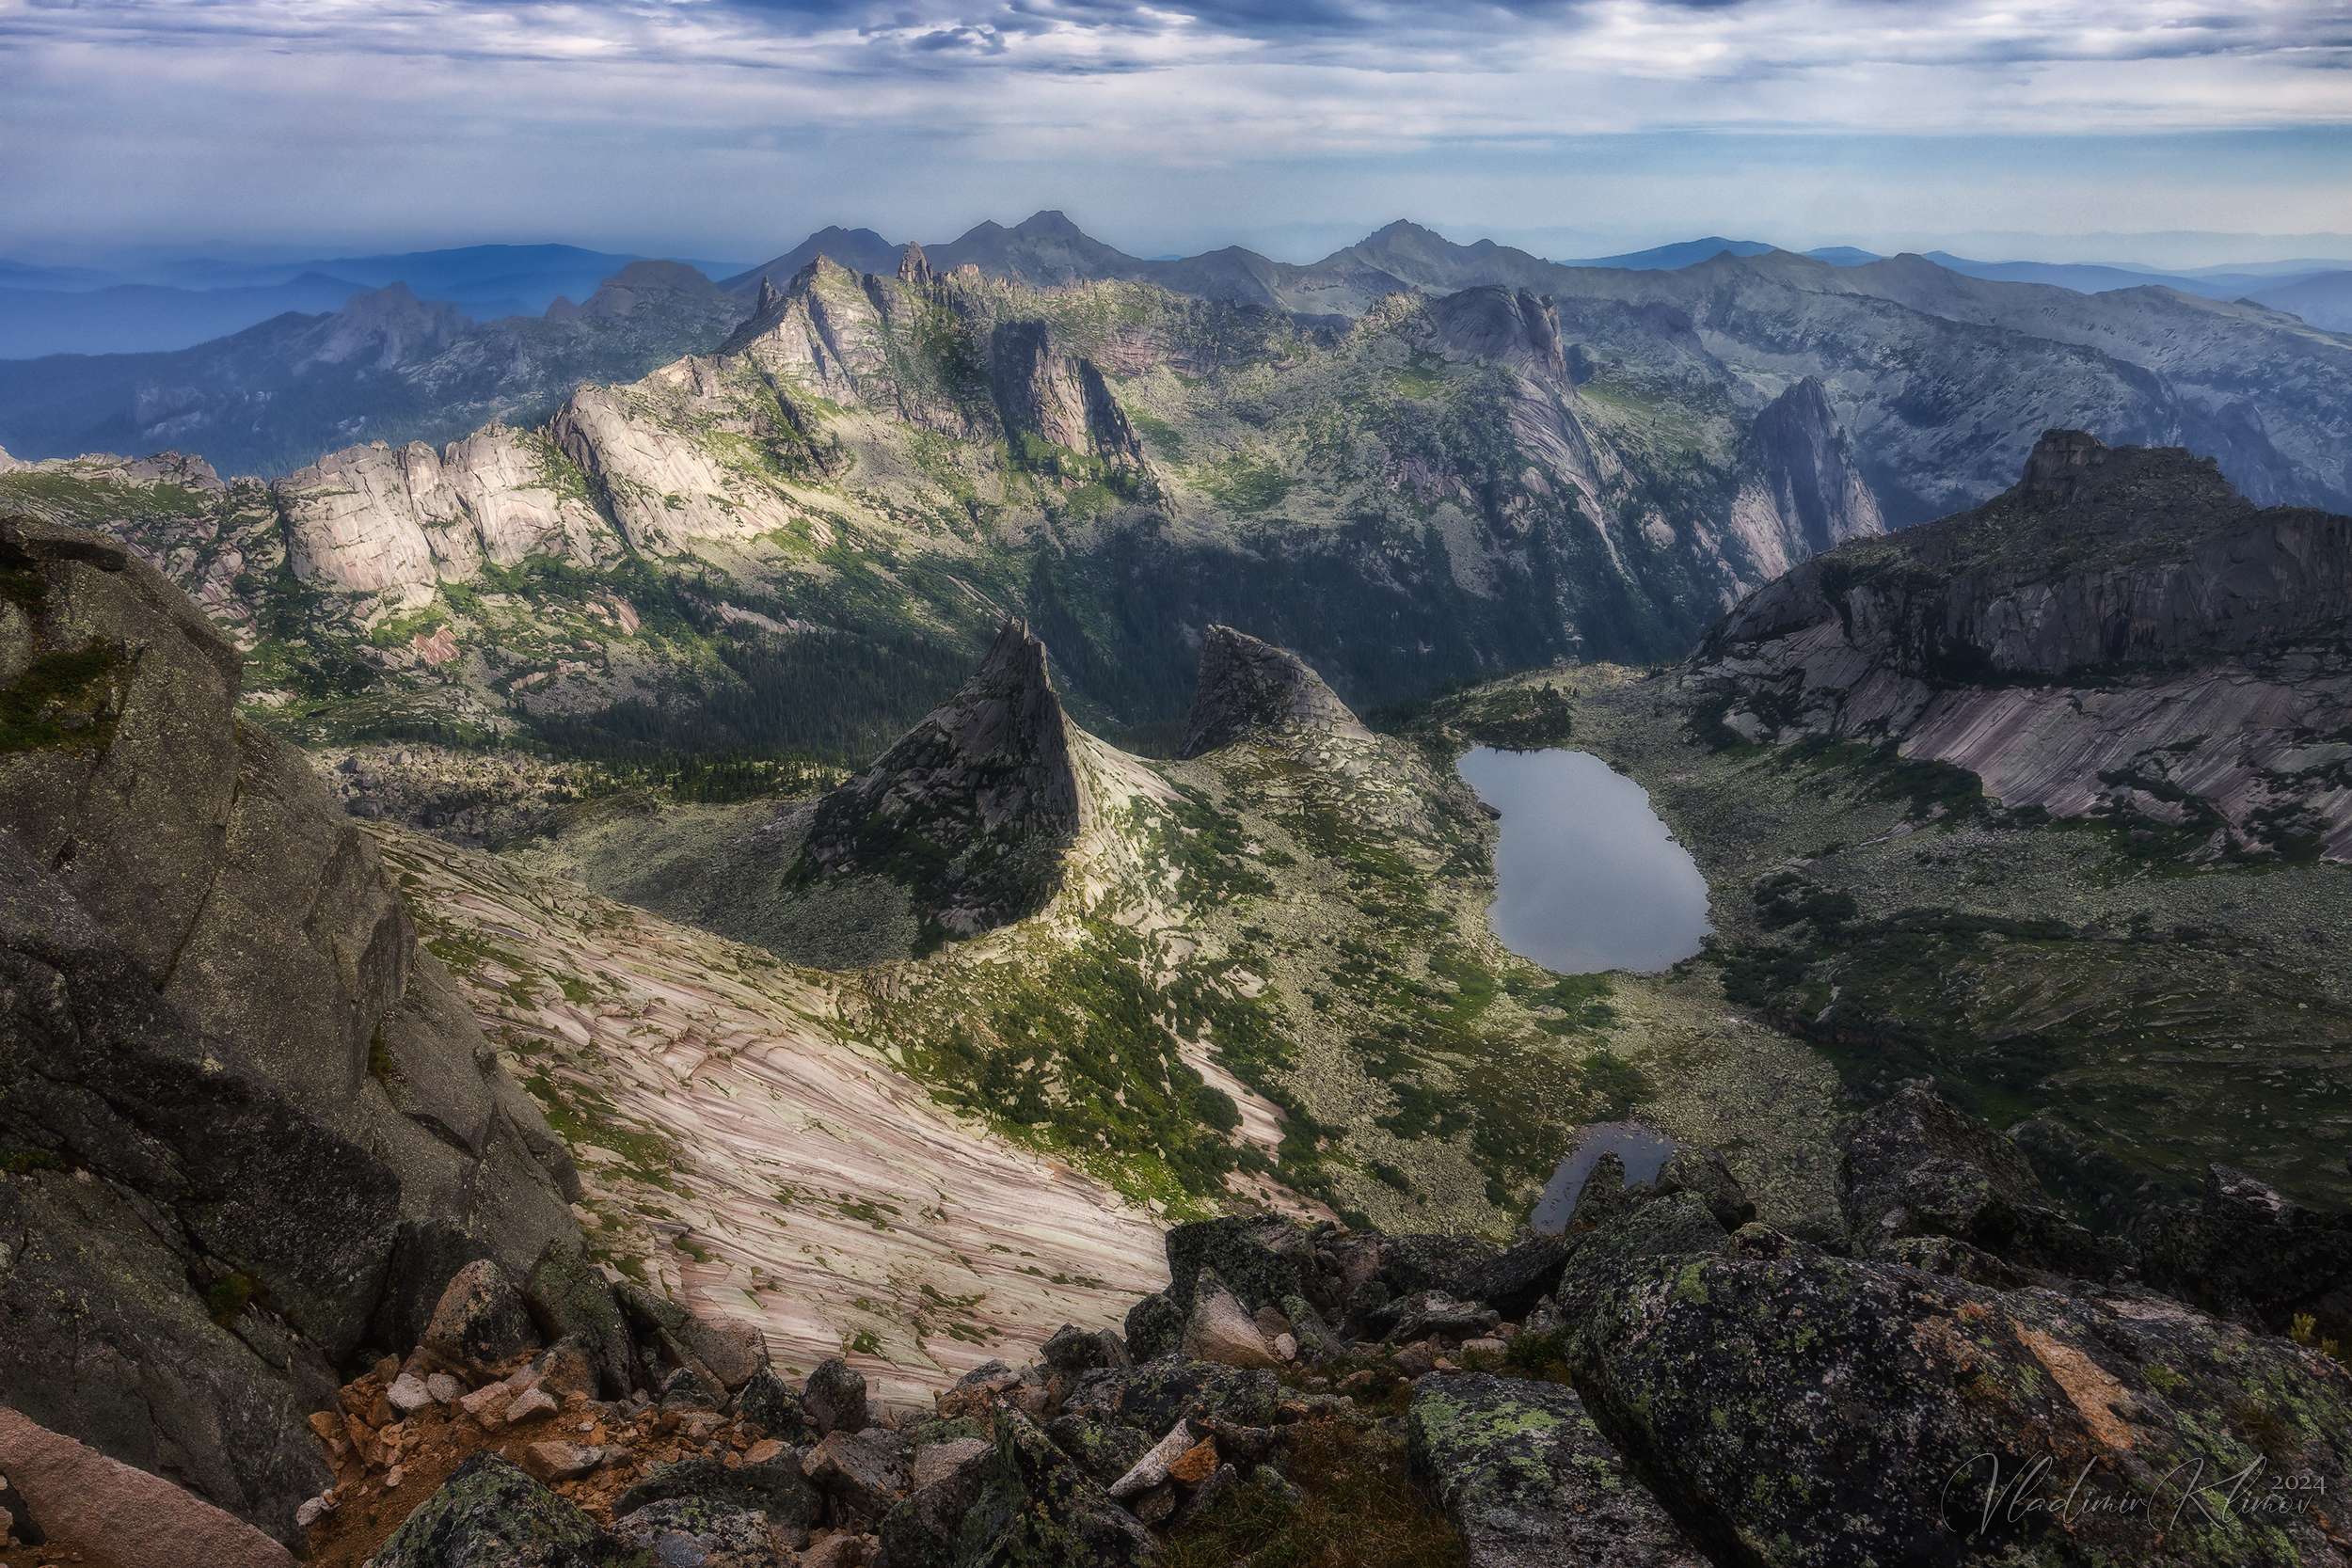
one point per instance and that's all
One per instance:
(1587, 878)
(1645, 1151)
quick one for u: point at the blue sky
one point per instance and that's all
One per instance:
(730, 128)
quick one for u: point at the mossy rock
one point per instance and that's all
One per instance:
(490, 1515)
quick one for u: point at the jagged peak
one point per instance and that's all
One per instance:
(972, 810)
(1248, 688)
(914, 266)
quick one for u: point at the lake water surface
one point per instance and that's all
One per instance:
(1643, 1151)
(1587, 878)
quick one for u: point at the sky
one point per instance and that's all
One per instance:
(2175, 134)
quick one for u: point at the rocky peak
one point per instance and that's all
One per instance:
(970, 810)
(914, 268)
(768, 298)
(1248, 689)
(1505, 326)
(391, 325)
(1810, 466)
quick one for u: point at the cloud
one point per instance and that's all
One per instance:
(230, 106)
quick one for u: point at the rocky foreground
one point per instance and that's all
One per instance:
(1952, 1372)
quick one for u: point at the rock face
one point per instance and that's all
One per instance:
(1916, 1166)
(2244, 1251)
(237, 1089)
(969, 812)
(379, 519)
(2210, 625)
(1810, 467)
(1247, 688)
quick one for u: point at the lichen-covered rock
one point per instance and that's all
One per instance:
(490, 1515)
(1706, 1172)
(768, 1403)
(775, 1489)
(1413, 1263)
(1150, 1397)
(1823, 1410)
(1103, 1447)
(1514, 1280)
(1034, 1506)
(1072, 1349)
(1530, 1481)
(1260, 1259)
(835, 1397)
(1917, 1166)
(701, 1534)
(1677, 1227)
(569, 1300)
(1156, 1327)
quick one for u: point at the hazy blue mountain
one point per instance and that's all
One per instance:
(1684, 253)
(2088, 279)
(136, 317)
(387, 366)
(46, 310)
(861, 249)
(1845, 256)
(2323, 301)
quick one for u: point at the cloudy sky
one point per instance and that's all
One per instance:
(727, 128)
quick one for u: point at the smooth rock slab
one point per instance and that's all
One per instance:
(76, 1493)
(1531, 1483)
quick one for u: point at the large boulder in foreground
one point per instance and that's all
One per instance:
(228, 1069)
(1529, 1482)
(1823, 1410)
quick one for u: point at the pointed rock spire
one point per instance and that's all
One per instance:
(1249, 688)
(914, 268)
(768, 298)
(971, 809)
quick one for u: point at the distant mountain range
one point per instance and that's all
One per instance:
(162, 307)
(46, 310)
(1941, 380)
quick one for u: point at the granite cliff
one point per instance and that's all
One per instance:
(2121, 633)
(248, 1124)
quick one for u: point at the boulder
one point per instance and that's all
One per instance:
(490, 1515)
(936, 1462)
(556, 1460)
(1072, 1349)
(1847, 1411)
(1156, 1327)
(1529, 1480)
(569, 1300)
(1157, 1463)
(1917, 1166)
(836, 1398)
(481, 1319)
(859, 1477)
(71, 1492)
(1034, 1505)
(1221, 1329)
(698, 1531)
(1447, 1264)
(1214, 1490)
(730, 1348)
(1103, 1447)
(688, 1388)
(1515, 1278)
(773, 1488)
(1258, 1260)
(1679, 1227)
(1149, 1397)
(770, 1404)
(1707, 1173)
